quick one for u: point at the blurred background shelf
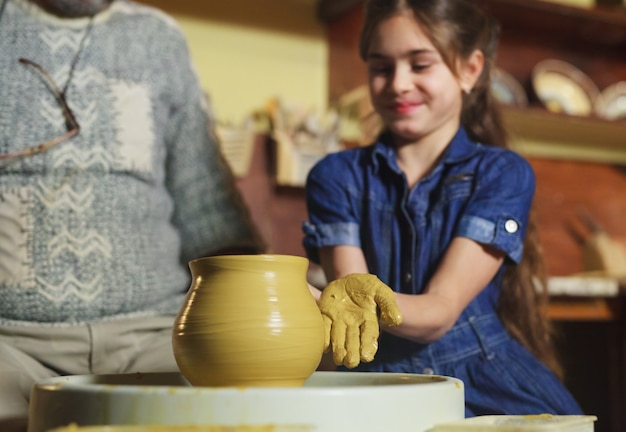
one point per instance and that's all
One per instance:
(539, 133)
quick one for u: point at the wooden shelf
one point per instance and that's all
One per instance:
(587, 299)
(539, 133)
(562, 24)
(525, 14)
(592, 39)
(603, 309)
(530, 14)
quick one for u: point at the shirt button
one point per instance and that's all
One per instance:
(428, 371)
(408, 277)
(511, 226)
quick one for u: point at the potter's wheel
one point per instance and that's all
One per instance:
(329, 402)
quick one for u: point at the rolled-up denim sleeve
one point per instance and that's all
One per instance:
(498, 212)
(332, 207)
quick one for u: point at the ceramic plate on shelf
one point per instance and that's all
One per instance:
(611, 103)
(506, 89)
(564, 88)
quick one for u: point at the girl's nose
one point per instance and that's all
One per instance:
(402, 80)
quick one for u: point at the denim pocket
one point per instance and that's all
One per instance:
(457, 186)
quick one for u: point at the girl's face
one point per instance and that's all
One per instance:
(411, 87)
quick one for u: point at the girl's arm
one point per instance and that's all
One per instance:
(467, 267)
(339, 261)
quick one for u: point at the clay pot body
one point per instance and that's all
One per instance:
(248, 321)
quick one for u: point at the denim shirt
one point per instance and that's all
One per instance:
(360, 197)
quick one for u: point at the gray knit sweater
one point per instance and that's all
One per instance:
(103, 225)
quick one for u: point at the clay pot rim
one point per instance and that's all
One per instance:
(251, 257)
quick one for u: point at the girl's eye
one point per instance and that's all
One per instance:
(419, 66)
(380, 69)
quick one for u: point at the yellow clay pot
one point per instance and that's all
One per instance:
(248, 321)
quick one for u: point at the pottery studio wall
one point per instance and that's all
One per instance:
(248, 51)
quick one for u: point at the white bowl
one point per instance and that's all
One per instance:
(611, 103)
(506, 89)
(329, 401)
(563, 88)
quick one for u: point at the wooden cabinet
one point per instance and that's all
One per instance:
(592, 39)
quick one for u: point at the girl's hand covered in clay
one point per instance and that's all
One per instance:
(349, 306)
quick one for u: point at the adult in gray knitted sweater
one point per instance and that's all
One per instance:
(97, 227)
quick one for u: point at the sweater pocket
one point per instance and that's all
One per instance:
(15, 234)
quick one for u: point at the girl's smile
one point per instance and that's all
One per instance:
(404, 107)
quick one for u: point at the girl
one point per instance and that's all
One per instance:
(439, 210)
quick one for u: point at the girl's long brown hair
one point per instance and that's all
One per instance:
(457, 28)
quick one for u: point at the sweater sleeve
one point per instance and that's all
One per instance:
(209, 211)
